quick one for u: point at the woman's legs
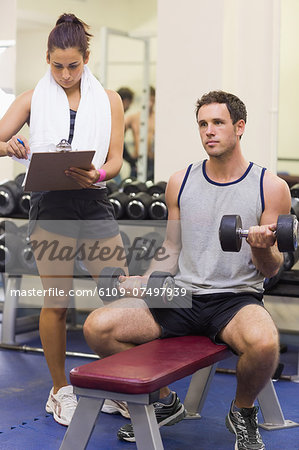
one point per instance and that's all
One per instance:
(56, 273)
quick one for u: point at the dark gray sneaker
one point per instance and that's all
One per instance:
(245, 426)
(165, 414)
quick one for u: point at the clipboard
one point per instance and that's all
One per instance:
(46, 170)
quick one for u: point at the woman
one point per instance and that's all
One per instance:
(68, 103)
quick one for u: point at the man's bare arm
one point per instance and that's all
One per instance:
(265, 254)
(172, 243)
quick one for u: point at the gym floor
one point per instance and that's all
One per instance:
(25, 383)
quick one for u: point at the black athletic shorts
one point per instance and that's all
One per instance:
(82, 213)
(209, 314)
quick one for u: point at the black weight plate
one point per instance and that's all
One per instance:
(134, 188)
(229, 237)
(111, 186)
(24, 203)
(9, 193)
(108, 282)
(119, 201)
(157, 209)
(9, 247)
(8, 226)
(159, 281)
(143, 249)
(157, 188)
(287, 233)
(26, 258)
(137, 207)
(20, 178)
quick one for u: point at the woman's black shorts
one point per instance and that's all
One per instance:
(83, 213)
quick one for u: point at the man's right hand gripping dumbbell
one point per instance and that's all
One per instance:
(156, 289)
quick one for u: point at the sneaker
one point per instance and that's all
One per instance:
(62, 405)
(245, 426)
(165, 414)
(116, 407)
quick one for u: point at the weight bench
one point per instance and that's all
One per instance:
(137, 374)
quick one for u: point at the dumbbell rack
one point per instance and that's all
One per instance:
(286, 290)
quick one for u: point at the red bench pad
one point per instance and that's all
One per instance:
(148, 367)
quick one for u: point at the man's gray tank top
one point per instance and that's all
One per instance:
(203, 266)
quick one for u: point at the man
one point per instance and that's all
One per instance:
(132, 122)
(227, 288)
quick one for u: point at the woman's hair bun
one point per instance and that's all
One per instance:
(67, 18)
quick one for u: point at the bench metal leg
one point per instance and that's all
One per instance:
(146, 429)
(10, 304)
(295, 378)
(82, 424)
(271, 410)
(198, 390)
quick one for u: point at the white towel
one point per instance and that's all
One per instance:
(50, 116)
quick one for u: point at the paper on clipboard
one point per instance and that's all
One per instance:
(40, 149)
(46, 170)
(23, 161)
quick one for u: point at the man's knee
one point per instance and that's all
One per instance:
(264, 343)
(98, 328)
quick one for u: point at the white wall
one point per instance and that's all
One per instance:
(221, 44)
(289, 87)
(7, 67)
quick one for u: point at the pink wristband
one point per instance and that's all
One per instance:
(102, 175)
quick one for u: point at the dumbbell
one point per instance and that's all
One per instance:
(26, 257)
(134, 187)
(9, 194)
(19, 179)
(10, 245)
(119, 201)
(23, 200)
(23, 203)
(159, 288)
(231, 233)
(137, 207)
(111, 186)
(157, 209)
(126, 181)
(143, 251)
(157, 188)
(8, 226)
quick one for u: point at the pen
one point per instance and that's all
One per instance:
(21, 142)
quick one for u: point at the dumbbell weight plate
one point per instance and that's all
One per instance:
(26, 257)
(8, 226)
(24, 203)
(134, 188)
(159, 289)
(119, 201)
(287, 233)
(137, 207)
(229, 235)
(144, 249)
(157, 209)
(108, 283)
(9, 246)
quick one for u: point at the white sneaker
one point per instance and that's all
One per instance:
(116, 407)
(62, 405)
